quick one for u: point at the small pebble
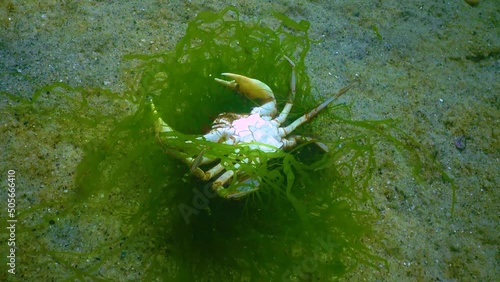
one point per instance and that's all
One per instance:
(460, 143)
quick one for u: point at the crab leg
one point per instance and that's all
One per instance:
(223, 179)
(198, 172)
(284, 131)
(288, 107)
(194, 163)
(291, 142)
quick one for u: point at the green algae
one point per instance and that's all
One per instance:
(311, 216)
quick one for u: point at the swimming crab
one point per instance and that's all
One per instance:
(260, 130)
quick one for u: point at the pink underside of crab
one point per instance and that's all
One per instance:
(247, 129)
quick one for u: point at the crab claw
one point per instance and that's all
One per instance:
(253, 89)
(250, 87)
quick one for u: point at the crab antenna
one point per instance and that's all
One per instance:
(308, 116)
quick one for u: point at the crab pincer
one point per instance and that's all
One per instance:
(250, 87)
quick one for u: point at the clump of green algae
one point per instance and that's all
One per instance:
(313, 224)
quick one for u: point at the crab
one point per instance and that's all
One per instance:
(261, 129)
